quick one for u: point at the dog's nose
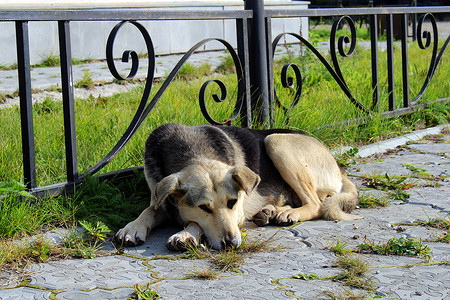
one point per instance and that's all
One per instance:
(231, 242)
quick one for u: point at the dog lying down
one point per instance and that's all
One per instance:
(210, 179)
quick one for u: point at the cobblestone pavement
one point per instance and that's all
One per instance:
(269, 275)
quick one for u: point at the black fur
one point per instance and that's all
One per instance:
(171, 147)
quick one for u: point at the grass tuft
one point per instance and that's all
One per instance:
(401, 246)
(145, 292)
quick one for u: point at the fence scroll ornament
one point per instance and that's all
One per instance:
(254, 83)
(335, 70)
(144, 109)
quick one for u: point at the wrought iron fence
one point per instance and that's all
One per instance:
(253, 60)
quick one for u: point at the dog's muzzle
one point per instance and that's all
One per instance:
(231, 242)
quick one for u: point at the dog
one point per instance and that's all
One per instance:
(210, 179)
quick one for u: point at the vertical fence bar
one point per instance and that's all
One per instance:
(405, 63)
(269, 64)
(68, 100)
(243, 52)
(374, 50)
(390, 60)
(26, 104)
(258, 59)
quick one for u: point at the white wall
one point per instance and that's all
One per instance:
(88, 39)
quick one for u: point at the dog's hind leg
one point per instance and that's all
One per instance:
(339, 206)
(190, 235)
(268, 214)
(303, 163)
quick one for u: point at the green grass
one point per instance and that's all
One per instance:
(367, 201)
(101, 121)
(401, 246)
(144, 292)
(228, 259)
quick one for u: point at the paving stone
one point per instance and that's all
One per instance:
(24, 293)
(121, 293)
(303, 248)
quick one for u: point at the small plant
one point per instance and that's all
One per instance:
(50, 61)
(388, 182)
(401, 246)
(442, 238)
(397, 184)
(229, 259)
(344, 160)
(304, 276)
(188, 71)
(367, 201)
(97, 231)
(207, 274)
(14, 188)
(339, 248)
(354, 272)
(87, 244)
(346, 294)
(416, 170)
(145, 292)
(47, 106)
(227, 65)
(86, 81)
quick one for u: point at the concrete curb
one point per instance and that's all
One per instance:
(386, 145)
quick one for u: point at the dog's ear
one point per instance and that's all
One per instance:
(169, 185)
(246, 178)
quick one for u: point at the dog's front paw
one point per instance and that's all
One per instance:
(131, 235)
(180, 240)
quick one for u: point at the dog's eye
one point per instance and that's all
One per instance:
(231, 203)
(205, 208)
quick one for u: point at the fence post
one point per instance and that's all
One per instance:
(259, 79)
(26, 105)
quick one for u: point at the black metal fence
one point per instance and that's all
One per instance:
(253, 60)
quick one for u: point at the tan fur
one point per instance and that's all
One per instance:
(213, 198)
(324, 191)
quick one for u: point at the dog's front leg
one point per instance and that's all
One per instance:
(190, 235)
(135, 232)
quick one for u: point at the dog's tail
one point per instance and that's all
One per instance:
(340, 205)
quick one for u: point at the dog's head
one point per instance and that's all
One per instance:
(211, 194)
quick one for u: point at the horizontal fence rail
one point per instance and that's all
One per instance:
(253, 59)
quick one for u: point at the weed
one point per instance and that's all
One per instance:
(50, 61)
(304, 276)
(354, 272)
(86, 81)
(229, 259)
(401, 246)
(188, 71)
(207, 274)
(47, 106)
(339, 247)
(388, 182)
(97, 231)
(442, 238)
(344, 160)
(367, 201)
(398, 184)
(439, 223)
(227, 65)
(78, 246)
(2, 98)
(346, 294)
(145, 292)
(14, 188)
